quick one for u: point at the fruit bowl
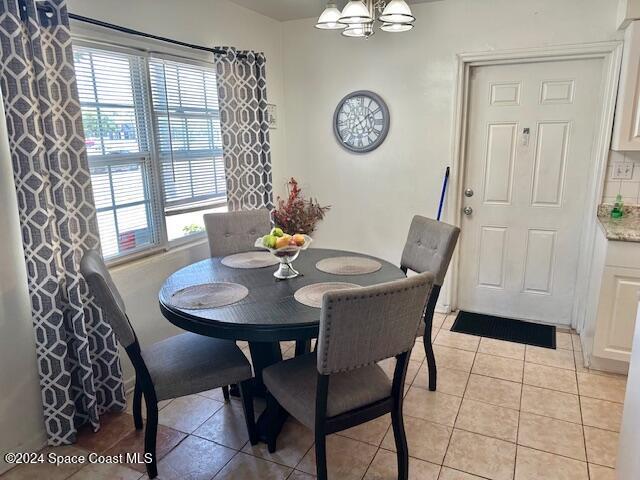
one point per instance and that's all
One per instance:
(286, 255)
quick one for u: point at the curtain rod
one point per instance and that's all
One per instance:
(47, 8)
(131, 31)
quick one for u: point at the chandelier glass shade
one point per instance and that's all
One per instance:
(329, 18)
(357, 18)
(397, 12)
(356, 12)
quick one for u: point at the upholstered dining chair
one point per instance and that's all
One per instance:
(429, 248)
(234, 232)
(180, 365)
(341, 385)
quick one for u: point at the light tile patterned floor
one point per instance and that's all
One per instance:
(502, 411)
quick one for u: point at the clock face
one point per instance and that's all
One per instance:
(361, 121)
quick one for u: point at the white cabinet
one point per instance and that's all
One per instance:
(628, 459)
(626, 127)
(617, 302)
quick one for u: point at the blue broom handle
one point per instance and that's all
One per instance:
(444, 190)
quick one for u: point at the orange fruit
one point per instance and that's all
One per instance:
(299, 239)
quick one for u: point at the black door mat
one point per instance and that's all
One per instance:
(507, 329)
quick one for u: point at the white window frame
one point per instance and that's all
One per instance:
(157, 203)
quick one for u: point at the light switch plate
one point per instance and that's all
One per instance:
(622, 171)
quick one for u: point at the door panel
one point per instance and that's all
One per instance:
(505, 94)
(559, 91)
(550, 161)
(540, 259)
(528, 157)
(501, 149)
(493, 242)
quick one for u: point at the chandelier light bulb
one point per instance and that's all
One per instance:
(364, 30)
(396, 27)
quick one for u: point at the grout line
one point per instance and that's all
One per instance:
(305, 454)
(554, 454)
(227, 463)
(462, 471)
(515, 460)
(371, 462)
(584, 438)
(458, 412)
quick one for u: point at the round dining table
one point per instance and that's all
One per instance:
(269, 313)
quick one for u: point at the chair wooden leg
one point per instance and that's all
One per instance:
(225, 393)
(150, 435)
(272, 421)
(137, 406)
(431, 360)
(401, 442)
(321, 455)
(247, 406)
(426, 339)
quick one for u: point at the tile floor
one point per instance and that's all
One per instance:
(502, 411)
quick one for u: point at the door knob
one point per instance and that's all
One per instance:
(467, 210)
(468, 192)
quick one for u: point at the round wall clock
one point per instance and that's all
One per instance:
(361, 121)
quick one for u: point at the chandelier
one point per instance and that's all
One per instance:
(358, 17)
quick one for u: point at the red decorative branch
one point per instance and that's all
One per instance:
(297, 214)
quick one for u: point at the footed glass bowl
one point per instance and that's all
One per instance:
(286, 255)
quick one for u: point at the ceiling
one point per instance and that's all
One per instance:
(293, 9)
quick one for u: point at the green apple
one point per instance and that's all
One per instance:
(269, 241)
(277, 232)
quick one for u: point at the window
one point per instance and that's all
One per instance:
(185, 107)
(152, 132)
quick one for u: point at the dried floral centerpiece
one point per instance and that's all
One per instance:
(296, 214)
(294, 219)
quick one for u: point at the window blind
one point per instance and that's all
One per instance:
(114, 99)
(187, 132)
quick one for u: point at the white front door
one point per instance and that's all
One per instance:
(528, 162)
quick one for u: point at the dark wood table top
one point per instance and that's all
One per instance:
(269, 313)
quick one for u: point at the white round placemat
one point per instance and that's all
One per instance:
(250, 260)
(311, 295)
(348, 265)
(208, 295)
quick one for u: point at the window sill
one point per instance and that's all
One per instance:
(159, 252)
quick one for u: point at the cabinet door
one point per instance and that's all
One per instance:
(626, 127)
(617, 313)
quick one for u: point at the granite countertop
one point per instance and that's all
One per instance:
(625, 229)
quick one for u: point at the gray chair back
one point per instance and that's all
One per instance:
(429, 247)
(360, 326)
(107, 297)
(233, 232)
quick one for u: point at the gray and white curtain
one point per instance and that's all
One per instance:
(80, 373)
(242, 92)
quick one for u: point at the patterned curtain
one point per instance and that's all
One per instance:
(80, 373)
(242, 91)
